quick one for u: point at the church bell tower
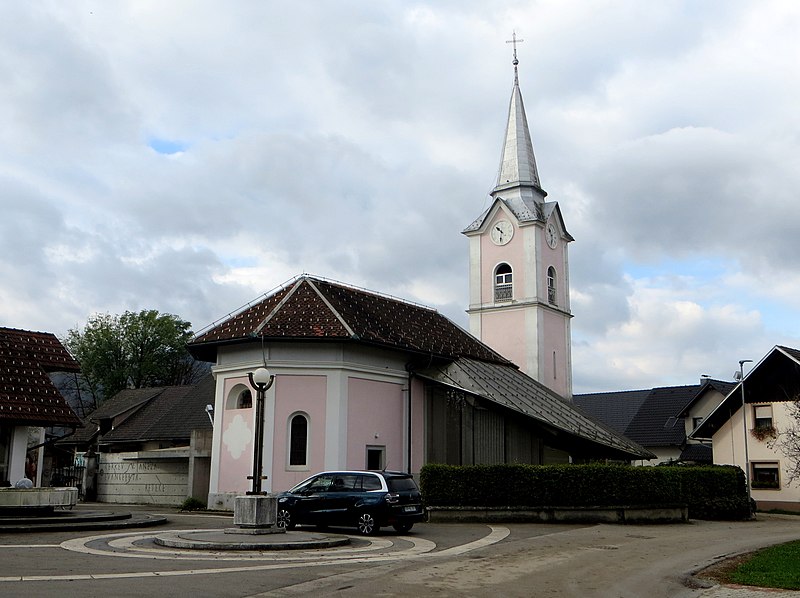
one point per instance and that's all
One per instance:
(519, 268)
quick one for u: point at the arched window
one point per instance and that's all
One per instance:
(298, 440)
(503, 287)
(551, 285)
(239, 397)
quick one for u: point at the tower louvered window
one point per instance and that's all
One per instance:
(551, 285)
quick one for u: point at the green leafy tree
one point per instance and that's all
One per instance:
(132, 350)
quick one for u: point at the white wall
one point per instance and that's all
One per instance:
(729, 449)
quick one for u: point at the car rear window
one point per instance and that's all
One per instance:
(372, 482)
(401, 484)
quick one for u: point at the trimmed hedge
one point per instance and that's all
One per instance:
(711, 492)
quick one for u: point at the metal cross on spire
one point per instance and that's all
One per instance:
(515, 62)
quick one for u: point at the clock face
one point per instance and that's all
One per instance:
(501, 232)
(551, 234)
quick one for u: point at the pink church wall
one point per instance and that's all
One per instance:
(374, 408)
(236, 449)
(306, 394)
(513, 253)
(555, 337)
(504, 331)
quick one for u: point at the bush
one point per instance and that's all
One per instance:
(193, 504)
(711, 492)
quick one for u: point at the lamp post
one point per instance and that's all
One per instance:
(744, 429)
(261, 380)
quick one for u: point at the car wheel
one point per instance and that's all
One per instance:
(402, 527)
(285, 519)
(367, 526)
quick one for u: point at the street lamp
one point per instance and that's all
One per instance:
(261, 380)
(744, 428)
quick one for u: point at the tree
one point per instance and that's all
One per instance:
(132, 350)
(788, 441)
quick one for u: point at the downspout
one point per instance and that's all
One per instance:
(409, 428)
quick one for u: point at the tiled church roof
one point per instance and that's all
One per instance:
(27, 396)
(312, 308)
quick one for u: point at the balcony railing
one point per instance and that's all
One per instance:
(503, 292)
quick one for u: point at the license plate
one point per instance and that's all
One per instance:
(411, 509)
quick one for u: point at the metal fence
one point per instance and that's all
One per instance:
(71, 476)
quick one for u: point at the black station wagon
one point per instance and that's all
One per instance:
(367, 500)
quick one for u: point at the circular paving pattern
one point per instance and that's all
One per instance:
(145, 545)
(139, 545)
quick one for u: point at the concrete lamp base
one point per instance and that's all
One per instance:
(255, 514)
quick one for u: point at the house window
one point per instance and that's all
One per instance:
(696, 421)
(376, 457)
(298, 441)
(762, 416)
(765, 476)
(551, 285)
(503, 279)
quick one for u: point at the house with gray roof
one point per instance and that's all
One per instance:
(660, 419)
(151, 444)
(367, 381)
(756, 426)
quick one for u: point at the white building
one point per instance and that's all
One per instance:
(767, 392)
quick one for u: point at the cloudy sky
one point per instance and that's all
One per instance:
(189, 156)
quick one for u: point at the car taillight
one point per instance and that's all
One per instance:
(392, 498)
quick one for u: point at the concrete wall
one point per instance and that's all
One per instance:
(151, 477)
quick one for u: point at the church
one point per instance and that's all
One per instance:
(367, 381)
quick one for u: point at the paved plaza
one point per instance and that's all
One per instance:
(431, 560)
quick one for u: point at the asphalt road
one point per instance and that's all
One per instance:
(432, 560)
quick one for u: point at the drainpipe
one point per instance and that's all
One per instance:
(409, 429)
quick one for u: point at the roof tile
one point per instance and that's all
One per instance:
(315, 308)
(27, 395)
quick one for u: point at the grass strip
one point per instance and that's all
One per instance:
(773, 567)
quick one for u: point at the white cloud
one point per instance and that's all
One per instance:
(355, 140)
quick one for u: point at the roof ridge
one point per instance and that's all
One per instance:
(294, 279)
(335, 312)
(278, 307)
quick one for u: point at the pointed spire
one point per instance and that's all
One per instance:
(518, 164)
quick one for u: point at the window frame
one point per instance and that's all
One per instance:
(763, 422)
(503, 283)
(380, 448)
(234, 399)
(764, 466)
(552, 285)
(306, 466)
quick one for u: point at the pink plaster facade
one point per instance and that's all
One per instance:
(513, 253)
(236, 446)
(304, 395)
(375, 418)
(529, 330)
(556, 364)
(348, 408)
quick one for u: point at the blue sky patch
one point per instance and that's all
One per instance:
(166, 146)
